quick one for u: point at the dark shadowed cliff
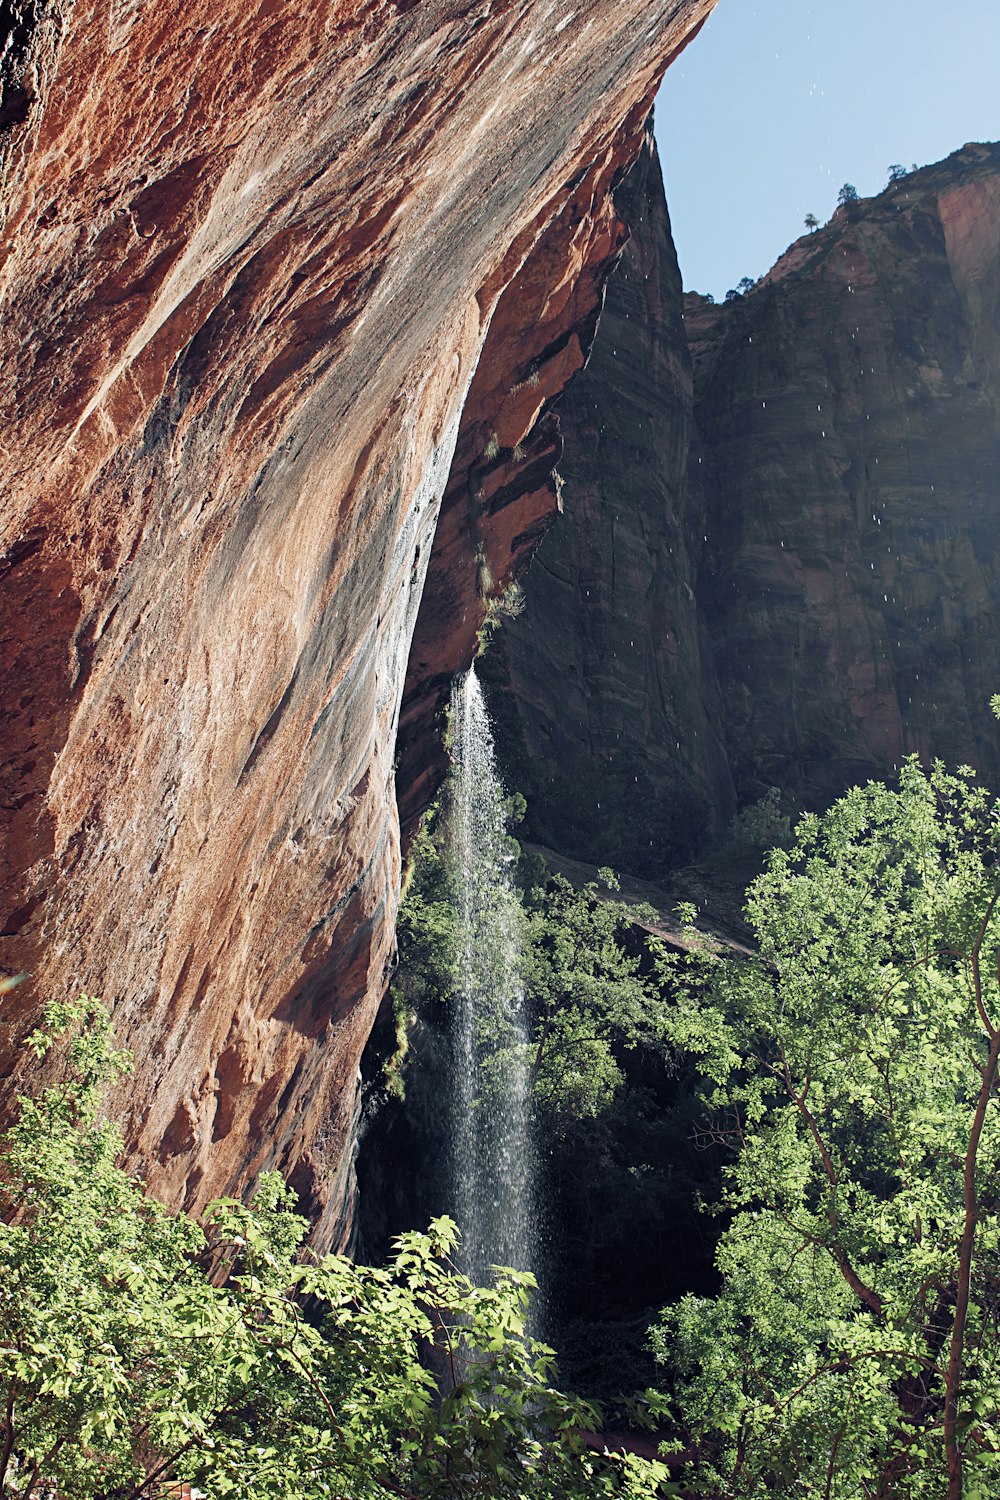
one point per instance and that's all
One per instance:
(848, 412)
(254, 259)
(811, 541)
(617, 735)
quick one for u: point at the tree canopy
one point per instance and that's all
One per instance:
(589, 995)
(851, 1070)
(138, 1346)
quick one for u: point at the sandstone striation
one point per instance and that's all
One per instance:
(790, 577)
(252, 259)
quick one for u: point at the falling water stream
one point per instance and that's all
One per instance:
(493, 1158)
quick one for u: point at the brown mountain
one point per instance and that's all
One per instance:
(780, 558)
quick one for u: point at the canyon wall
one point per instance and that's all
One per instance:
(269, 276)
(616, 736)
(811, 536)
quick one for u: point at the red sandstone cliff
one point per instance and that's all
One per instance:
(252, 258)
(790, 574)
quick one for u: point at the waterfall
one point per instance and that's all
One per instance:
(493, 1158)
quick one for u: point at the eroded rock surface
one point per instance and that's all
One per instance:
(798, 584)
(616, 737)
(251, 260)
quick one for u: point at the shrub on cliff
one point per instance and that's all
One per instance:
(136, 1345)
(752, 833)
(850, 1068)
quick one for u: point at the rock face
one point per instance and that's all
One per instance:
(502, 493)
(617, 738)
(252, 259)
(849, 415)
(824, 548)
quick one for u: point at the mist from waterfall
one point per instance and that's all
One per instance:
(493, 1160)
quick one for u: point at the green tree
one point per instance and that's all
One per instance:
(136, 1345)
(588, 993)
(811, 223)
(896, 173)
(851, 1068)
(425, 927)
(848, 194)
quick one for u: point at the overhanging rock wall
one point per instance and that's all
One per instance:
(251, 260)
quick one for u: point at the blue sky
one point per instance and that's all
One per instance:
(778, 102)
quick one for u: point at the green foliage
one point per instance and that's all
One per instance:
(761, 826)
(425, 927)
(137, 1346)
(499, 607)
(738, 856)
(847, 194)
(851, 1071)
(425, 931)
(588, 996)
(811, 222)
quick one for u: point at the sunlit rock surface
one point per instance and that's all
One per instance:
(813, 577)
(251, 260)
